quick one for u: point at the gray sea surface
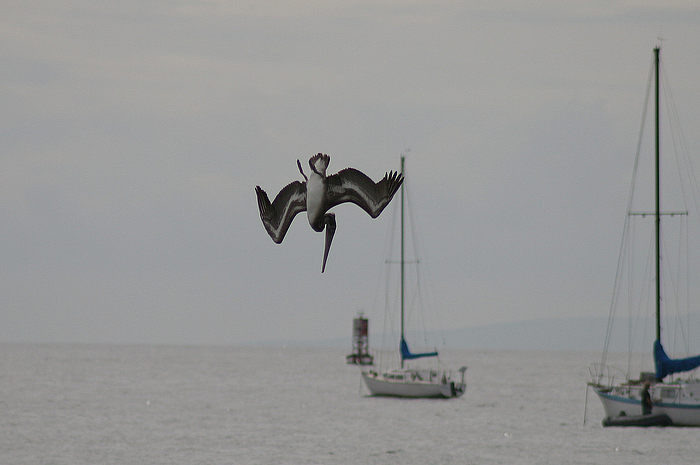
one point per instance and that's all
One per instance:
(102, 404)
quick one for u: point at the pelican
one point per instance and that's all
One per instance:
(319, 193)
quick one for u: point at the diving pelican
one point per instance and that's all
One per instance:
(319, 193)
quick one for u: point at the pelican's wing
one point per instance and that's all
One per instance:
(278, 215)
(351, 185)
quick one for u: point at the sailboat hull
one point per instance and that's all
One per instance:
(680, 402)
(404, 384)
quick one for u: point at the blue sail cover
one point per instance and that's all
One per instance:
(407, 355)
(666, 366)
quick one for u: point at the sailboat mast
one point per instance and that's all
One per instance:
(402, 256)
(658, 199)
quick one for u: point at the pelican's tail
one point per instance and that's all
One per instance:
(319, 163)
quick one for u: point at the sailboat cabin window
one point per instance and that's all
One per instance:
(668, 393)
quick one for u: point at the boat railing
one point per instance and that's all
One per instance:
(604, 375)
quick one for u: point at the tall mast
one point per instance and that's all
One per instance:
(658, 200)
(402, 254)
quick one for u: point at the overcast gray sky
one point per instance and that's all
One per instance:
(134, 132)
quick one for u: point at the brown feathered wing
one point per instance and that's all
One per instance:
(351, 185)
(278, 215)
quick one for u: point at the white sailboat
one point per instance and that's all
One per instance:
(674, 400)
(409, 381)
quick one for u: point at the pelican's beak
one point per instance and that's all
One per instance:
(330, 231)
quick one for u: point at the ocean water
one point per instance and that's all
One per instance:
(101, 404)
